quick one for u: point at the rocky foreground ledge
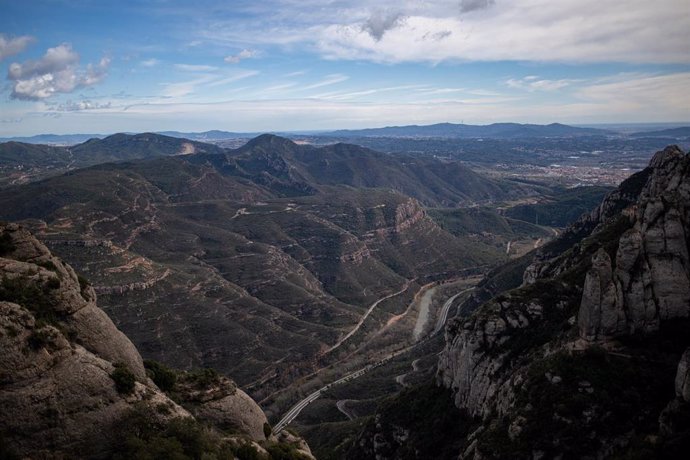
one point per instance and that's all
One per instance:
(73, 386)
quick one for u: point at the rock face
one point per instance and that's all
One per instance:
(533, 363)
(59, 391)
(650, 279)
(683, 377)
(33, 267)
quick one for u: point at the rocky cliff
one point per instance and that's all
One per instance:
(589, 357)
(603, 303)
(73, 386)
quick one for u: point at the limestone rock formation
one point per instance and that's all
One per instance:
(683, 377)
(550, 355)
(650, 280)
(70, 380)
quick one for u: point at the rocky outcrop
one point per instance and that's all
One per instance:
(601, 316)
(474, 359)
(683, 377)
(650, 279)
(56, 396)
(33, 268)
(525, 363)
(70, 382)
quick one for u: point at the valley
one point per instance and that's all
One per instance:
(321, 279)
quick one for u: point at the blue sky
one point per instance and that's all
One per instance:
(107, 66)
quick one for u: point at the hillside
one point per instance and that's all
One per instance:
(254, 261)
(587, 358)
(25, 162)
(292, 169)
(73, 386)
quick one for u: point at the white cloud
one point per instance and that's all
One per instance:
(195, 68)
(153, 62)
(70, 106)
(327, 81)
(654, 96)
(56, 72)
(204, 80)
(575, 31)
(382, 21)
(471, 5)
(184, 88)
(534, 83)
(12, 46)
(236, 58)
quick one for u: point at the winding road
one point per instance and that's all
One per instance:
(366, 315)
(443, 317)
(297, 408)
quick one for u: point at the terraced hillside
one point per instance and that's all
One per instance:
(251, 261)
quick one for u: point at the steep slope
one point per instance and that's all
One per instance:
(589, 356)
(204, 261)
(72, 385)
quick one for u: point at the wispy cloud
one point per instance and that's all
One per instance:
(76, 106)
(534, 83)
(471, 30)
(195, 68)
(9, 46)
(149, 62)
(295, 74)
(327, 81)
(227, 79)
(236, 58)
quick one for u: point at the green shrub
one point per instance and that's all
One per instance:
(52, 283)
(246, 452)
(38, 301)
(47, 264)
(267, 430)
(145, 436)
(38, 339)
(6, 244)
(124, 379)
(162, 376)
(6, 453)
(203, 378)
(284, 452)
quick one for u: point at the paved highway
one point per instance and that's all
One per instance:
(443, 317)
(297, 408)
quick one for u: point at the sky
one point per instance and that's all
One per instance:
(99, 66)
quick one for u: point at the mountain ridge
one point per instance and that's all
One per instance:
(494, 130)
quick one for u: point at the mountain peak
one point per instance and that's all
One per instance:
(670, 153)
(270, 140)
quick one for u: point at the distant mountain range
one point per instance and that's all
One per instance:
(72, 139)
(673, 133)
(495, 130)
(440, 130)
